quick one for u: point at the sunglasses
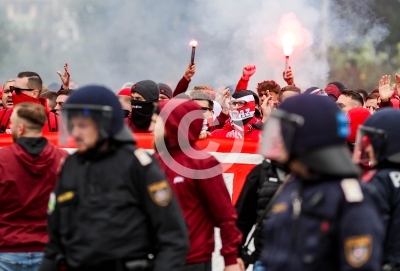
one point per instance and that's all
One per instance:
(205, 109)
(237, 103)
(18, 90)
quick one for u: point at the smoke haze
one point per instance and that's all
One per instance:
(116, 41)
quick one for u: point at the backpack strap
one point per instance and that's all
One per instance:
(5, 119)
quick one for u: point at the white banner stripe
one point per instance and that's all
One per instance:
(222, 157)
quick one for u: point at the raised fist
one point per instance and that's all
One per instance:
(248, 71)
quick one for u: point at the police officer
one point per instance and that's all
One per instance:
(378, 146)
(113, 208)
(323, 219)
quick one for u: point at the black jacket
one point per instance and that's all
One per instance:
(115, 205)
(387, 184)
(260, 186)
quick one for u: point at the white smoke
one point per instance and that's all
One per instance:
(117, 41)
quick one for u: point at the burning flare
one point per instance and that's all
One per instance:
(287, 43)
(193, 43)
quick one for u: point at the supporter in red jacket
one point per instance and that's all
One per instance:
(242, 119)
(28, 173)
(27, 88)
(196, 178)
(6, 96)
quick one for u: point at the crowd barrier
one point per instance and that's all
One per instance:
(237, 156)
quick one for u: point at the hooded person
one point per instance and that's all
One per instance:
(322, 198)
(109, 192)
(241, 117)
(196, 179)
(28, 175)
(357, 116)
(378, 147)
(144, 93)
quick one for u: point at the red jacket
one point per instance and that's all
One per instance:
(51, 124)
(196, 178)
(26, 183)
(181, 87)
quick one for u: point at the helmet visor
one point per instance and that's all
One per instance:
(278, 135)
(80, 117)
(365, 153)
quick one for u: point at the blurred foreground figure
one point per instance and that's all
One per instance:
(114, 209)
(378, 147)
(28, 174)
(196, 178)
(323, 219)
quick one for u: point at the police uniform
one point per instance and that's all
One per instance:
(113, 208)
(323, 225)
(323, 219)
(382, 132)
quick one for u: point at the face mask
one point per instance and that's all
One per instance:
(141, 113)
(21, 98)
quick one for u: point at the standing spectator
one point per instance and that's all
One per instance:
(27, 88)
(165, 91)
(144, 93)
(196, 178)
(371, 102)
(242, 119)
(62, 96)
(287, 92)
(51, 98)
(349, 99)
(28, 173)
(6, 97)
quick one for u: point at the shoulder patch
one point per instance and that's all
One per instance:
(65, 197)
(143, 157)
(279, 208)
(160, 192)
(358, 250)
(352, 190)
(395, 177)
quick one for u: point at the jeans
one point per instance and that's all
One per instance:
(25, 261)
(258, 266)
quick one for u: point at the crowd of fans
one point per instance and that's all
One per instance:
(235, 112)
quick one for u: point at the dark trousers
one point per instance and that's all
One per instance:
(205, 266)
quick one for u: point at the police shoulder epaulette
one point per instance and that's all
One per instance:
(352, 190)
(143, 157)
